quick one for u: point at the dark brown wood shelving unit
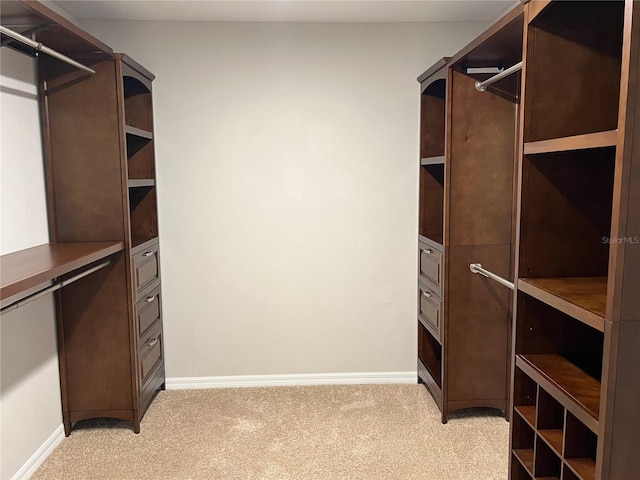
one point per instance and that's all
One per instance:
(576, 326)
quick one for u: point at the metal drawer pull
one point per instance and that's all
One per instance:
(428, 251)
(150, 299)
(477, 268)
(153, 342)
(147, 254)
(427, 294)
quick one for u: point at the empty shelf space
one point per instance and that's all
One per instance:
(528, 413)
(572, 387)
(440, 160)
(28, 268)
(585, 468)
(141, 182)
(575, 142)
(138, 132)
(554, 439)
(583, 298)
(525, 457)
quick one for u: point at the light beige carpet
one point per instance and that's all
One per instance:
(386, 432)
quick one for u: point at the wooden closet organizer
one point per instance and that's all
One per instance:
(467, 170)
(101, 197)
(569, 233)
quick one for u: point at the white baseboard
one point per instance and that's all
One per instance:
(41, 455)
(185, 383)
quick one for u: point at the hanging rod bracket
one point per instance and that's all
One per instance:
(482, 86)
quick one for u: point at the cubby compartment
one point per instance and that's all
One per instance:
(567, 474)
(430, 354)
(561, 354)
(550, 422)
(575, 52)
(580, 448)
(138, 110)
(140, 157)
(523, 441)
(525, 393)
(432, 120)
(567, 203)
(518, 472)
(547, 464)
(431, 209)
(143, 214)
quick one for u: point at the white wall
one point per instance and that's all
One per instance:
(30, 409)
(288, 190)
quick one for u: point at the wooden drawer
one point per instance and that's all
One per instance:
(146, 312)
(145, 268)
(430, 311)
(150, 353)
(431, 267)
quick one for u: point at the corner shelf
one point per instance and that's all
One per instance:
(583, 298)
(577, 391)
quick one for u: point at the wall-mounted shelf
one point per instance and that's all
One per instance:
(31, 267)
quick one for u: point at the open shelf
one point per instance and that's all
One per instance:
(439, 160)
(138, 132)
(31, 267)
(432, 119)
(431, 209)
(138, 110)
(567, 200)
(528, 414)
(525, 457)
(584, 468)
(143, 214)
(584, 298)
(143, 182)
(576, 142)
(430, 354)
(572, 387)
(577, 47)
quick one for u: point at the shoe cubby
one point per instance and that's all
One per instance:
(576, 54)
(140, 157)
(550, 421)
(523, 443)
(580, 448)
(547, 463)
(525, 396)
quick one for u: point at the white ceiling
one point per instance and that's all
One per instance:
(288, 10)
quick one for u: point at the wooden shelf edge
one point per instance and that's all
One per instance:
(141, 182)
(439, 160)
(571, 308)
(585, 468)
(138, 132)
(524, 411)
(525, 457)
(548, 435)
(576, 142)
(28, 268)
(589, 419)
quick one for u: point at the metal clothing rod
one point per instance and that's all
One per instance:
(52, 288)
(482, 86)
(43, 48)
(477, 268)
